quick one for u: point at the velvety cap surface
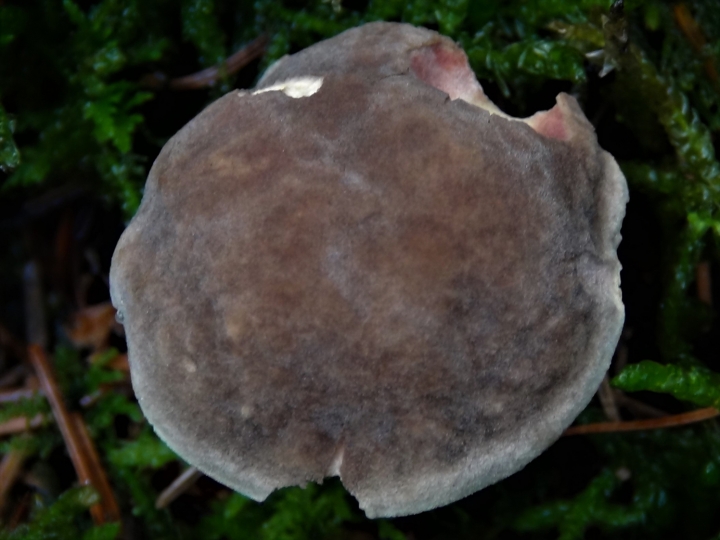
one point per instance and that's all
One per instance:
(376, 280)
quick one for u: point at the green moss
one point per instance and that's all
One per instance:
(147, 451)
(388, 531)
(65, 519)
(591, 507)
(310, 513)
(27, 407)
(695, 384)
(200, 26)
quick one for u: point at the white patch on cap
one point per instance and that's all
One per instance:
(334, 469)
(295, 88)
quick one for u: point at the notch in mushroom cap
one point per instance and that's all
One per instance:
(364, 269)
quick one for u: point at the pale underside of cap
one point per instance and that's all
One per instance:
(372, 273)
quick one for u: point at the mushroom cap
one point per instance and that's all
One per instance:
(364, 269)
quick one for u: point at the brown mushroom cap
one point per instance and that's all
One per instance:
(384, 278)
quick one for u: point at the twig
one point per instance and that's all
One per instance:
(638, 408)
(99, 478)
(651, 423)
(21, 424)
(10, 467)
(694, 34)
(89, 400)
(179, 486)
(208, 77)
(607, 400)
(22, 508)
(704, 283)
(35, 323)
(77, 440)
(689, 26)
(16, 394)
(622, 352)
(81, 462)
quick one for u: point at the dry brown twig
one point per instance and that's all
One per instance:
(694, 34)
(10, 468)
(607, 400)
(99, 478)
(672, 420)
(611, 399)
(35, 319)
(16, 394)
(638, 408)
(20, 512)
(704, 283)
(21, 424)
(179, 486)
(76, 440)
(72, 427)
(209, 77)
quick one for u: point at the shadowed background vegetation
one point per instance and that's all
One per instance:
(91, 90)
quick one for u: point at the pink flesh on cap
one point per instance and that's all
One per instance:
(446, 67)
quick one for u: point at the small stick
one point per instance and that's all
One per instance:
(21, 510)
(77, 441)
(607, 400)
(704, 283)
(689, 26)
(16, 394)
(694, 34)
(35, 320)
(111, 511)
(179, 486)
(10, 467)
(21, 424)
(651, 423)
(90, 399)
(638, 408)
(622, 354)
(83, 468)
(208, 77)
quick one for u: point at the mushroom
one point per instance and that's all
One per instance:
(364, 269)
